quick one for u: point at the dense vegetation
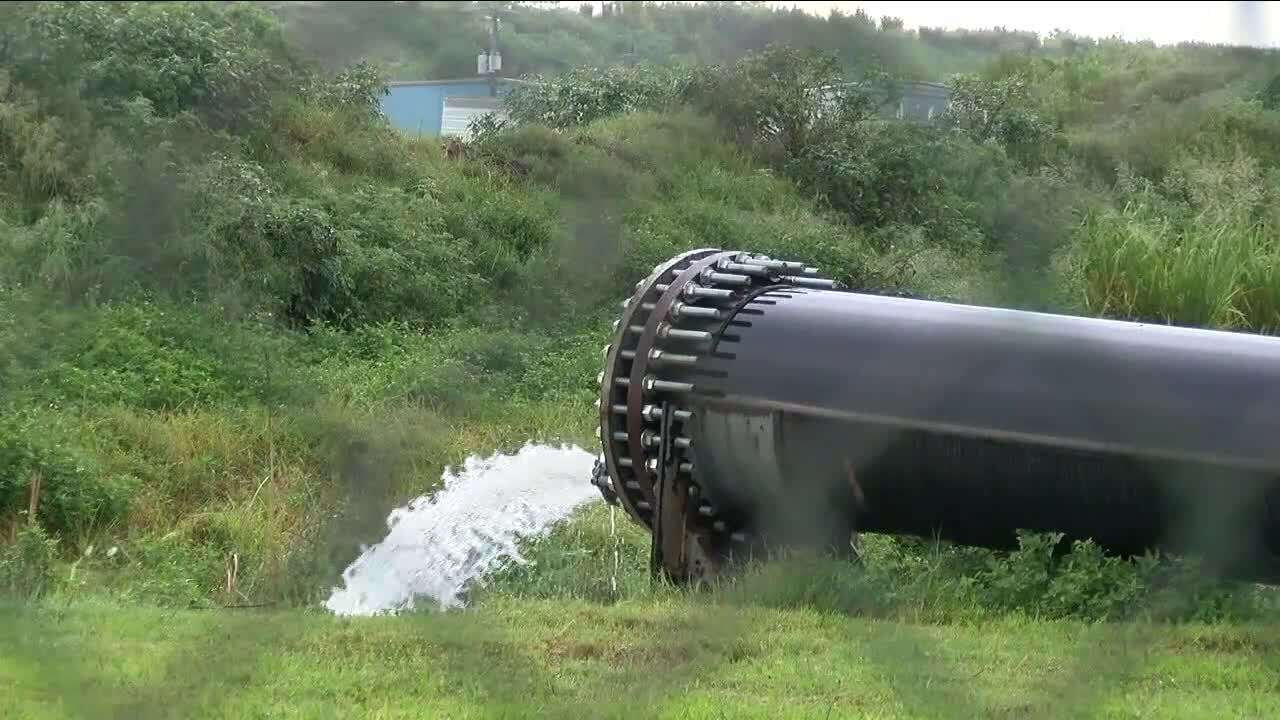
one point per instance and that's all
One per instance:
(240, 316)
(437, 39)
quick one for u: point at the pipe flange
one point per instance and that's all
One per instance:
(653, 338)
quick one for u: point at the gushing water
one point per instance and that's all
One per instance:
(437, 546)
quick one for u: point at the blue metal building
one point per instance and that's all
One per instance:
(420, 107)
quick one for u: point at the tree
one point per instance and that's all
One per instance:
(1003, 111)
(783, 95)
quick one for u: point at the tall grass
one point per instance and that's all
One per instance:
(1210, 272)
(1202, 252)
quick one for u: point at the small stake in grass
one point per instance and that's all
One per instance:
(233, 575)
(34, 503)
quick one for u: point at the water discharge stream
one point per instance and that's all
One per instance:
(437, 545)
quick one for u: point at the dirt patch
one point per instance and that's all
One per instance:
(572, 650)
(677, 653)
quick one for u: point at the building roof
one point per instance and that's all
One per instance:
(471, 101)
(452, 81)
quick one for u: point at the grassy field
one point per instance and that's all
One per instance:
(664, 659)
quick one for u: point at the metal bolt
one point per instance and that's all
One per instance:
(810, 282)
(681, 310)
(715, 278)
(662, 356)
(745, 269)
(695, 292)
(653, 384)
(653, 413)
(666, 331)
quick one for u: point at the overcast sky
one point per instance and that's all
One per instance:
(1253, 23)
(1250, 23)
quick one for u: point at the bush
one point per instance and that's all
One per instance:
(145, 355)
(222, 64)
(890, 173)
(1271, 94)
(1004, 111)
(586, 94)
(781, 100)
(1038, 579)
(73, 497)
(27, 564)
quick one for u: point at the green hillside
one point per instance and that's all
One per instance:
(241, 317)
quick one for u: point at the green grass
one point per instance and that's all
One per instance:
(662, 659)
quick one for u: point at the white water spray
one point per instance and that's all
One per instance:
(437, 546)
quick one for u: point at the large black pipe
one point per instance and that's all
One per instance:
(812, 412)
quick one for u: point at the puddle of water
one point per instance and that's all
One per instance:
(437, 545)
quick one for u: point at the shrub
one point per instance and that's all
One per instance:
(784, 97)
(27, 564)
(73, 496)
(222, 64)
(1004, 111)
(145, 355)
(586, 94)
(1271, 94)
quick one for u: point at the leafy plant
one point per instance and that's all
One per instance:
(586, 94)
(785, 96)
(1003, 111)
(71, 496)
(27, 563)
